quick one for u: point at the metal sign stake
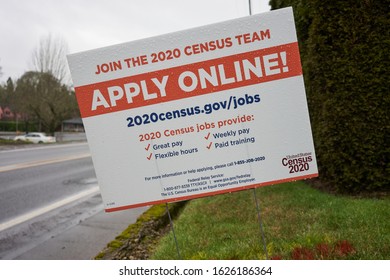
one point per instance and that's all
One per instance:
(173, 231)
(261, 224)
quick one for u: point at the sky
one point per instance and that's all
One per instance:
(90, 24)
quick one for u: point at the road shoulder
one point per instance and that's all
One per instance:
(85, 240)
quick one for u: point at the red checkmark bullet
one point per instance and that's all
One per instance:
(209, 146)
(207, 137)
(150, 156)
(147, 148)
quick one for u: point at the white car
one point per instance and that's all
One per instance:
(36, 137)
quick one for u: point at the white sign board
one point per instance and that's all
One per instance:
(205, 111)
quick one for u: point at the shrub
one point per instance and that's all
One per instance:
(345, 49)
(20, 126)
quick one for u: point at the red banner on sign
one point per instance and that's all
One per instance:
(190, 80)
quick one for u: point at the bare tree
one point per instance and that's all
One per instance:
(50, 57)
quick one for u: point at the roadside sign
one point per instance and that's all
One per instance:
(200, 112)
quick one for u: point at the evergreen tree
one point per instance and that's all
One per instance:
(345, 46)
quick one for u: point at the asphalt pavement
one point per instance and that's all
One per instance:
(85, 240)
(50, 204)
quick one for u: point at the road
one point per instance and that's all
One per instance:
(46, 192)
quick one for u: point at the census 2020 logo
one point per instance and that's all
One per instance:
(298, 163)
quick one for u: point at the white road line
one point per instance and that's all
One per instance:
(42, 162)
(48, 208)
(49, 146)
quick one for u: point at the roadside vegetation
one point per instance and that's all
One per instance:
(300, 222)
(344, 46)
(139, 240)
(12, 142)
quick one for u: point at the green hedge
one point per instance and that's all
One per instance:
(345, 48)
(12, 126)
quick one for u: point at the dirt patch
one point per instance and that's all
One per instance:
(142, 246)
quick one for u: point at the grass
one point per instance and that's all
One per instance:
(299, 223)
(12, 142)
